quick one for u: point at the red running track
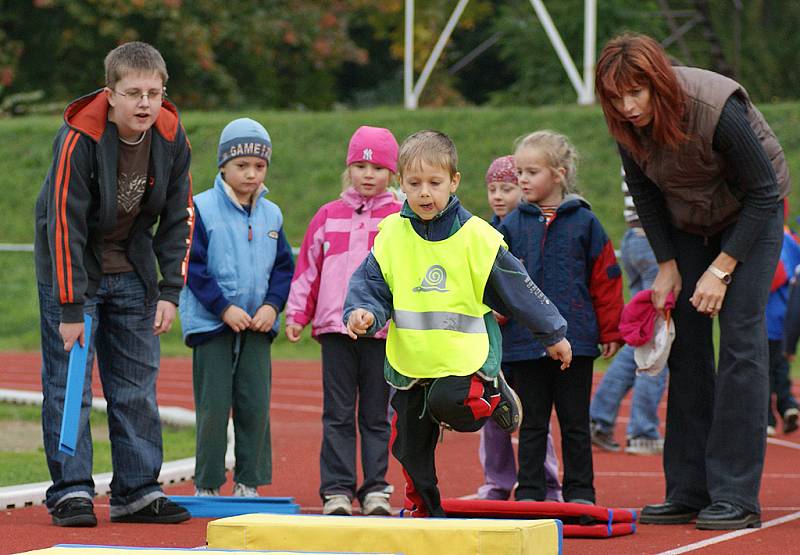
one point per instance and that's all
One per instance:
(625, 481)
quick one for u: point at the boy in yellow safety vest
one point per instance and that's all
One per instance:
(437, 272)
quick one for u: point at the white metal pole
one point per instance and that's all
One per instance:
(558, 44)
(408, 66)
(440, 44)
(589, 50)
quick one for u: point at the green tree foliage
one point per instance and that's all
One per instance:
(386, 21)
(539, 77)
(765, 59)
(318, 53)
(277, 53)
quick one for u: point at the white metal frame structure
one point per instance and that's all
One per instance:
(584, 86)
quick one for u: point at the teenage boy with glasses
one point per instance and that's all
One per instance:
(114, 210)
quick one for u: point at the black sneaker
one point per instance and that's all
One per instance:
(75, 511)
(603, 439)
(160, 511)
(790, 420)
(508, 412)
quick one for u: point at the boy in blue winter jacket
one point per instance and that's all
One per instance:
(437, 272)
(240, 269)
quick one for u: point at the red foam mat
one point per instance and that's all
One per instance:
(580, 521)
(599, 530)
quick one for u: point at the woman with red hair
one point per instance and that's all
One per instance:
(707, 175)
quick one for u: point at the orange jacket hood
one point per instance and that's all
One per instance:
(89, 115)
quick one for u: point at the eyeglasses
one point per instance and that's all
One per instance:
(135, 95)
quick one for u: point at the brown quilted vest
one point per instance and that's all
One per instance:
(701, 195)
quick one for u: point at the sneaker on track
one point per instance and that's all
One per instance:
(376, 503)
(160, 511)
(337, 504)
(76, 512)
(206, 492)
(508, 412)
(603, 439)
(790, 420)
(644, 446)
(243, 490)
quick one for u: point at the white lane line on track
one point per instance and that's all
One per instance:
(783, 443)
(651, 474)
(731, 535)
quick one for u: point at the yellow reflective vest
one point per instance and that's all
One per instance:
(437, 327)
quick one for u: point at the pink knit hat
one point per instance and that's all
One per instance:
(375, 145)
(502, 170)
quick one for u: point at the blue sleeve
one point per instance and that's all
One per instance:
(281, 276)
(368, 290)
(199, 281)
(791, 324)
(511, 292)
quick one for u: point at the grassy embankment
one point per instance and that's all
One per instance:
(309, 152)
(22, 459)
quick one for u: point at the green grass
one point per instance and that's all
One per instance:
(30, 466)
(309, 152)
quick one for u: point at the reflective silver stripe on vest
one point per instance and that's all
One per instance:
(450, 321)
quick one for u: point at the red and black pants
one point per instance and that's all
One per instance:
(462, 403)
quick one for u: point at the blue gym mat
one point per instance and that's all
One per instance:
(219, 507)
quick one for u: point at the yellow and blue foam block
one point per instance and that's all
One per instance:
(410, 536)
(117, 550)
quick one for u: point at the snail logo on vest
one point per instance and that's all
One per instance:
(435, 280)
(367, 154)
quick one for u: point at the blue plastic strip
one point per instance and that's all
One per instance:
(635, 516)
(221, 506)
(560, 526)
(610, 520)
(76, 374)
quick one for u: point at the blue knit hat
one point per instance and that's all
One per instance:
(243, 137)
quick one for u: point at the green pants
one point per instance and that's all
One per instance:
(233, 372)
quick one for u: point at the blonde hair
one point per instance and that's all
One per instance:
(557, 152)
(134, 57)
(347, 182)
(432, 147)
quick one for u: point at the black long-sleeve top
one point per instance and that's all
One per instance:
(745, 158)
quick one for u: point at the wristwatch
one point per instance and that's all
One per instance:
(725, 277)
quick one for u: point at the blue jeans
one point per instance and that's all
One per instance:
(128, 360)
(641, 267)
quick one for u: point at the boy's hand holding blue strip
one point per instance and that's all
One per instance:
(76, 374)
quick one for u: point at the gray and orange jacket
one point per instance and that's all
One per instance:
(77, 206)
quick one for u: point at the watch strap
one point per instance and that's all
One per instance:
(725, 277)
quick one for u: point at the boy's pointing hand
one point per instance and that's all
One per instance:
(359, 322)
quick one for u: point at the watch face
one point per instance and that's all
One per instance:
(726, 279)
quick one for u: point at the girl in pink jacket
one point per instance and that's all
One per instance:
(337, 240)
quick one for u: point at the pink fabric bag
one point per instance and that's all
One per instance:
(639, 316)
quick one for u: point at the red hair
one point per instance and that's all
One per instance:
(629, 61)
